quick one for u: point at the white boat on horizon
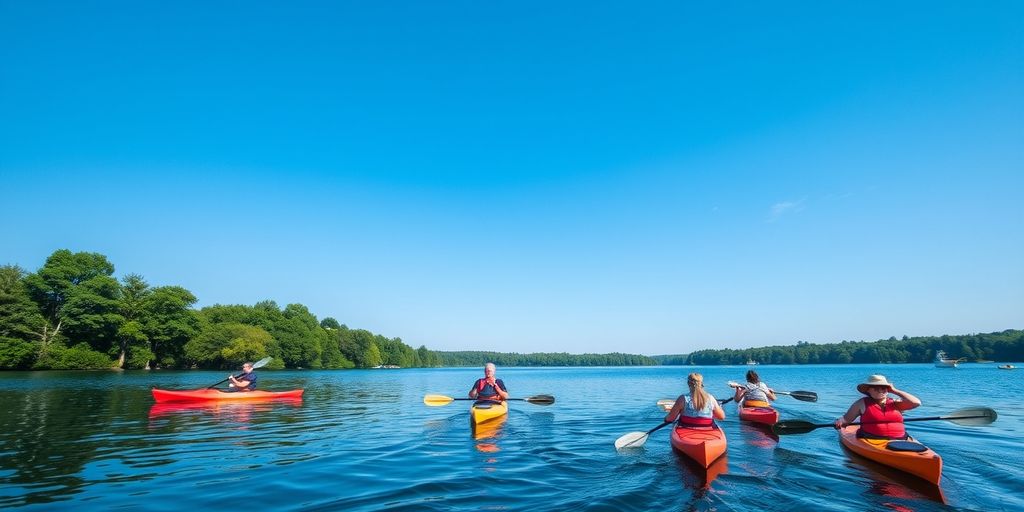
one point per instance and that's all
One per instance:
(751, 362)
(941, 361)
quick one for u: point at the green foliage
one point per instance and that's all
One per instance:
(472, 358)
(20, 317)
(997, 346)
(78, 357)
(227, 345)
(16, 354)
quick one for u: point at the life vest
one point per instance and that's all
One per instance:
(884, 422)
(756, 403)
(491, 392)
(690, 421)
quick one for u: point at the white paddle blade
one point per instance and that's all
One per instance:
(631, 440)
(733, 384)
(973, 417)
(666, 404)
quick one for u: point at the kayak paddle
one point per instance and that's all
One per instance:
(806, 396)
(258, 364)
(636, 439)
(974, 416)
(438, 400)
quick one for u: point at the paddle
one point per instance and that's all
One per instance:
(258, 364)
(438, 400)
(973, 416)
(806, 396)
(636, 439)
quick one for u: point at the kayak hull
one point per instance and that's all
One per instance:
(762, 415)
(202, 395)
(483, 412)
(703, 445)
(926, 465)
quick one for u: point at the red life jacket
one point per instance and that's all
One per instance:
(893, 419)
(690, 421)
(481, 384)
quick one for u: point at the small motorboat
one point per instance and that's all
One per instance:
(1007, 367)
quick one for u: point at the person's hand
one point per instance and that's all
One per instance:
(840, 423)
(491, 381)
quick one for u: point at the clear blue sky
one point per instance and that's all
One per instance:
(533, 176)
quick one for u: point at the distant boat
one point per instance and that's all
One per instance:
(941, 361)
(983, 361)
(751, 362)
(1007, 367)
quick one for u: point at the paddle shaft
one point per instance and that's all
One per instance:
(905, 420)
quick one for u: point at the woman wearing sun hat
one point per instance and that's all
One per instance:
(880, 416)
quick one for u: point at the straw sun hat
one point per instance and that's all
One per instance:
(873, 380)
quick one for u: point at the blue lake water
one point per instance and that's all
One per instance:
(364, 440)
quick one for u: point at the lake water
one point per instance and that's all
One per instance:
(364, 440)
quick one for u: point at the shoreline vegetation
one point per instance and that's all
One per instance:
(72, 314)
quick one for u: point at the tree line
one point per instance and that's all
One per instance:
(1006, 345)
(73, 314)
(476, 358)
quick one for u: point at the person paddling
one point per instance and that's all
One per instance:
(754, 393)
(880, 415)
(244, 382)
(698, 409)
(489, 388)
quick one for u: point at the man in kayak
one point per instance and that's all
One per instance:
(489, 388)
(699, 408)
(880, 416)
(244, 382)
(754, 393)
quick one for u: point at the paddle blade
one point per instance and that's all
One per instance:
(733, 384)
(788, 427)
(806, 396)
(631, 440)
(666, 404)
(973, 417)
(437, 400)
(262, 362)
(541, 399)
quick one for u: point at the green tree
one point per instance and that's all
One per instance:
(227, 345)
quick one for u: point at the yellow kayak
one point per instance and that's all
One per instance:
(485, 410)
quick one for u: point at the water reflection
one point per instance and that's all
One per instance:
(890, 482)
(239, 412)
(488, 433)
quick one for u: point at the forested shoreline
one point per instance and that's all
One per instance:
(73, 314)
(1000, 346)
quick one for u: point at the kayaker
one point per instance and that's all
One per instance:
(699, 408)
(489, 388)
(244, 382)
(881, 416)
(754, 393)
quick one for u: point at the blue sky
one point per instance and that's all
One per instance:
(529, 176)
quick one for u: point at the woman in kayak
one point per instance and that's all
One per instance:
(489, 388)
(881, 417)
(754, 393)
(698, 409)
(244, 382)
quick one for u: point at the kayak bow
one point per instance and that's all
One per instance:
(702, 444)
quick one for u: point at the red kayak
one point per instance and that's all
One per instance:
(763, 415)
(702, 444)
(164, 395)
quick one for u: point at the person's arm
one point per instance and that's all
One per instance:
(473, 393)
(908, 401)
(770, 393)
(238, 383)
(718, 412)
(851, 414)
(739, 394)
(499, 385)
(676, 410)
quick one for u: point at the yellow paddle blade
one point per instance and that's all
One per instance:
(666, 404)
(437, 400)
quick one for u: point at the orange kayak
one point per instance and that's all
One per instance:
(702, 444)
(924, 464)
(763, 415)
(164, 395)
